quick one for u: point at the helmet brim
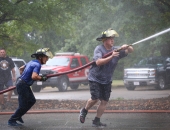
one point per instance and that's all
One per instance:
(33, 55)
(99, 39)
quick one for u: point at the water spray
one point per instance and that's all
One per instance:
(92, 62)
(155, 35)
(145, 39)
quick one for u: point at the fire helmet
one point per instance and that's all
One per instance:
(108, 33)
(42, 52)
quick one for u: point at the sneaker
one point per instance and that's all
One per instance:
(20, 120)
(98, 124)
(82, 115)
(13, 123)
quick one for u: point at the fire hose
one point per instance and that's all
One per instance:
(66, 72)
(92, 62)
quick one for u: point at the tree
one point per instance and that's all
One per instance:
(25, 23)
(74, 25)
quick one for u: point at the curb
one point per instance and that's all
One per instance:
(90, 111)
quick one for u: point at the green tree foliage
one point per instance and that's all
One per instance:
(74, 25)
(133, 20)
(28, 24)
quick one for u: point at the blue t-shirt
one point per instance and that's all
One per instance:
(30, 67)
(103, 74)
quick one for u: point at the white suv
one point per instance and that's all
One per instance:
(18, 63)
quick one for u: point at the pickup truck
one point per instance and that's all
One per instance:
(63, 62)
(151, 71)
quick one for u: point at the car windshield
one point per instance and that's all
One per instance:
(58, 61)
(142, 62)
(151, 61)
(19, 63)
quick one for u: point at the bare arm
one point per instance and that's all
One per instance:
(35, 76)
(103, 61)
(13, 75)
(128, 49)
(21, 69)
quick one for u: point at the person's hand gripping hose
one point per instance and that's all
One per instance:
(44, 77)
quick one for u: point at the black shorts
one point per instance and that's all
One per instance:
(7, 84)
(100, 91)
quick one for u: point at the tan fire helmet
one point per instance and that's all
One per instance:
(108, 33)
(43, 51)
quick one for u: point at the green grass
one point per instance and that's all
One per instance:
(119, 98)
(117, 83)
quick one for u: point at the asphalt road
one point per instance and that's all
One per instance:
(114, 121)
(69, 121)
(83, 93)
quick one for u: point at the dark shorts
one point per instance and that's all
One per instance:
(100, 91)
(6, 85)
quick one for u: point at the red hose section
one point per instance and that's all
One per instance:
(6, 90)
(71, 71)
(77, 69)
(62, 73)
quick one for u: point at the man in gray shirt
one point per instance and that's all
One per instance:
(100, 74)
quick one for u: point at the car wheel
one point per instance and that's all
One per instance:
(15, 91)
(36, 88)
(161, 83)
(74, 87)
(63, 84)
(130, 87)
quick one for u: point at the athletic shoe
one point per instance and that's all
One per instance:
(13, 123)
(82, 115)
(98, 124)
(20, 120)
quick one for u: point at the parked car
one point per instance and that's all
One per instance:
(18, 63)
(62, 62)
(148, 72)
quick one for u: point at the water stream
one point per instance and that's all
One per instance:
(155, 35)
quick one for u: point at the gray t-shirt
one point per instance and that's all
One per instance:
(103, 74)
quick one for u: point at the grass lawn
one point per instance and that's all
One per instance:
(117, 83)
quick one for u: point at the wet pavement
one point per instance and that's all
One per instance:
(69, 121)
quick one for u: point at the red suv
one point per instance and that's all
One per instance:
(62, 62)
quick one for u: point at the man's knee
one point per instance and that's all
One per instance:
(103, 102)
(94, 100)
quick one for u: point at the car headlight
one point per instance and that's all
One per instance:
(125, 73)
(152, 73)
